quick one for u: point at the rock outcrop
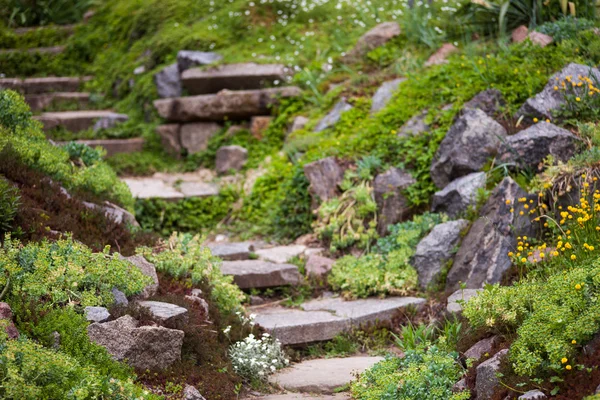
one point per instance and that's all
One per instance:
(459, 195)
(324, 176)
(230, 158)
(392, 205)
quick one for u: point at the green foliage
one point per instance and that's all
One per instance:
(582, 98)
(64, 272)
(294, 216)
(15, 113)
(427, 372)
(9, 204)
(186, 258)
(83, 153)
(388, 271)
(43, 12)
(565, 28)
(40, 37)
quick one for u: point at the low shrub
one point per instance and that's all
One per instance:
(9, 205)
(255, 359)
(565, 28)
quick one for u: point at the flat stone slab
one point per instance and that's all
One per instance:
(40, 102)
(114, 146)
(253, 274)
(157, 188)
(281, 254)
(73, 121)
(165, 312)
(232, 251)
(44, 85)
(232, 105)
(96, 314)
(323, 375)
(244, 76)
(323, 319)
(302, 396)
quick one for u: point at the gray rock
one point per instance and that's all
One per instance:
(165, 313)
(168, 82)
(533, 395)
(597, 391)
(256, 300)
(318, 266)
(481, 348)
(483, 255)
(145, 347)
(194, 137)
(298, 123)
(148, 269)
(529, 147)
(435, 250)
(392, 206)
(230, 105)
(230, 158)
(281, 254)
(487, 382)
(376, 37)
(232, 251)
(196, 292)
(540, 39)
(191, 393)
(259, 125)
(415, 126)
(489, 101)
(459, 195)
(384, 94)
(334, 115)
(543, 104)
(200, 303)
(324, 176)
(453, 305)
(469, 144)
(441, 55)
(96, 314)
(118, 214)
(460, 386)
(187, 59)
(322, 375)
(73, 121)
(169, 138)
(120, 298)
(109, 121)
(249, 274)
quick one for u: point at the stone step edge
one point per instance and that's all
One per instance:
(112, 146)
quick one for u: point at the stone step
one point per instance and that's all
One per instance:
(324, 318)
(40, 102)
(53, 50)
(244, 76)
(231, 251)
(323, 375)
(281, 254)
(302, 396)
(257, 274)
(114, 146)
(76, 121)
(160, 186)
(232, 105)
(44, 85)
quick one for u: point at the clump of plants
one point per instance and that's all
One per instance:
(9, 205)
(255, 359)
(565, 28)
(387, 270)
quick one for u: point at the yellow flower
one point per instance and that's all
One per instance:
(568, 367)
(510, 254)
(564, 360)
(573, 341)
(523, 260)
(535, 120)
(573, 257)
(507, 202)
(578, 287)
(577, 99)
(521, 213)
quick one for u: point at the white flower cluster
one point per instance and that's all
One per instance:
(254, 359)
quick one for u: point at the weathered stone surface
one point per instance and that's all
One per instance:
(191, 393)
(232, 105)
(440, 56)
(533, 395)
(529, 147)
(109, 121)
(96, 314)
(460, 386)
(459, 195)
(148, 269)
(118, 214)
(298, 123)
(187, 59)
(7, 315)
(487, 382)
(249, 274)
(323, 319)
(471, 141)
(323, 375)
(483, 255)
(548, 100)
(481, 348)
(392, 206)
(39, 102)
(324, 176)
(168, 82)
(169, 138)
(194, 137)
(148, 188)
(541, 39)
(246, 76)
(258, 125)
(44, 85)
(384, 94)
(520, 34)
(318, 266)
(304, 396)
(489, 101)
(460, 295)
(145, 347)
(114, 146)
(230, 158)
(376, 37)
(281, 254)
(415, 126)
(435, 250)
(200, 303)
(232, 251)
(165, 313)
(334, 115)
(73, 121)
(120, 298)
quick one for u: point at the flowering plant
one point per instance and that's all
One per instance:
(254, 359)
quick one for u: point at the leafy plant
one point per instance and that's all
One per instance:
(565, 28)
(256, 359)
(83, 153)
(9, 205)
(43, 12)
